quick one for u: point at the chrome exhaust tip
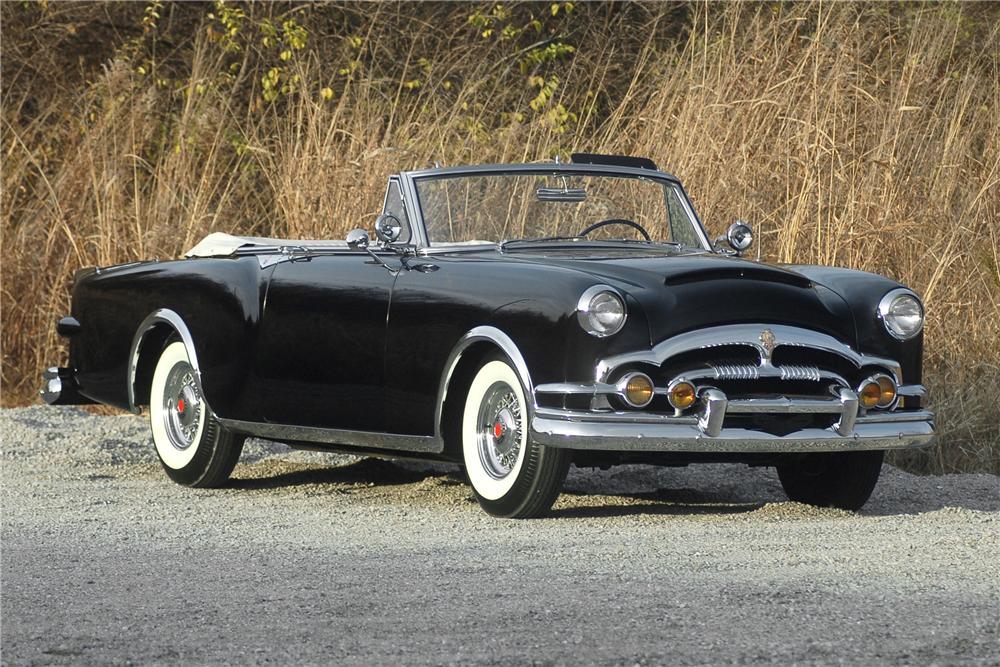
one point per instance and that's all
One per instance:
(59, 387)
(52, 386)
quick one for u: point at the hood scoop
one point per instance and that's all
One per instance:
(752, 272)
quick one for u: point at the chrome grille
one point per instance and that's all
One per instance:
(754, 372)
(800, 373)
(735, 371)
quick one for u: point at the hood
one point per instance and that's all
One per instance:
(690, 291)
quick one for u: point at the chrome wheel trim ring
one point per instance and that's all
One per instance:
(182, 406)
(500, 425)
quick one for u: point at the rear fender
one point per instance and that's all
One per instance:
(150, 337)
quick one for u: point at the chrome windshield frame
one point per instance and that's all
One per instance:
(411, 197)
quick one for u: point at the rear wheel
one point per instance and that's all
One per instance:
(836, 479)
(511, 476)
(193, 447)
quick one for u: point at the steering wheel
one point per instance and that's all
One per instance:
(617, 221)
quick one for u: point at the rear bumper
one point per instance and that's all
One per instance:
(629, 432)
(59, 387)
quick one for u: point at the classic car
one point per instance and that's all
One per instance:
(515, 320)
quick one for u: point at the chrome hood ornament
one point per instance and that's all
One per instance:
(768, 343)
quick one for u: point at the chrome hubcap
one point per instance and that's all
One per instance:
(499, 432)
(182, 406)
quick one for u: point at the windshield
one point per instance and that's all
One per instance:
(493, 207)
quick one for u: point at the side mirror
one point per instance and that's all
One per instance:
(388, 228)
(739, 236)
(357, 239)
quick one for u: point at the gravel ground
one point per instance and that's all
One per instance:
(316, 558)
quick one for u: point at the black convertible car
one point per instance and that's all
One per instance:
(514, 319)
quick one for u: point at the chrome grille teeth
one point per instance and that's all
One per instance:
(752, 372)
(735, 371)
(800, 373)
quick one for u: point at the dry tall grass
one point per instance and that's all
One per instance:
(850, 134)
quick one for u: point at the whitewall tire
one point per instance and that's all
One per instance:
(510, 475)
(191, 444)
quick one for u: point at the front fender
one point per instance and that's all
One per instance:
(862, 292)
(554, 346)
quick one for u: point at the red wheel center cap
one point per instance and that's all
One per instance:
(180, 405)
(497, 430)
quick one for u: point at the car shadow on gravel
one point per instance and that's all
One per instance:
(372, 472)
(590, 496)
(665, 502)
(375, 474)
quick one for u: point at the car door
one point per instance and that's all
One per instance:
(321, 342)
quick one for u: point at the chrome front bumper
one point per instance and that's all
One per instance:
(705, 432)
(601, 428)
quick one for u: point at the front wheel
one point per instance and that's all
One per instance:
(511, 476)
(835, 479)
(193, 447)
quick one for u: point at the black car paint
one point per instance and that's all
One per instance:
(320, 345)
(218, 299)
(333, 340)
(303, 341)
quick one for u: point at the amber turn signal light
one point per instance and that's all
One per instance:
(869, 394)
(637, 389)
(682, 394)
(887, 390)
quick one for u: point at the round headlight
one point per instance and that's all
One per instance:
(601, 311)
(901, 313)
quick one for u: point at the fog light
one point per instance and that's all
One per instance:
(869, 393)
(637, 389)
(681, 394)
(887, 390)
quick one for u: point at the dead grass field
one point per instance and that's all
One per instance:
(859, 135)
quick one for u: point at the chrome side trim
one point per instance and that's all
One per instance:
(270, 260)
(576, 388)
(478, 334)
(613, 417)
(912, 390)
(331, 436)
(161, 316)
(747, 335)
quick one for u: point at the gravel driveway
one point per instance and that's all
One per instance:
(316, 558)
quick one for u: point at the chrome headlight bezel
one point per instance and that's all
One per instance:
(886, 313)
(587, 307)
